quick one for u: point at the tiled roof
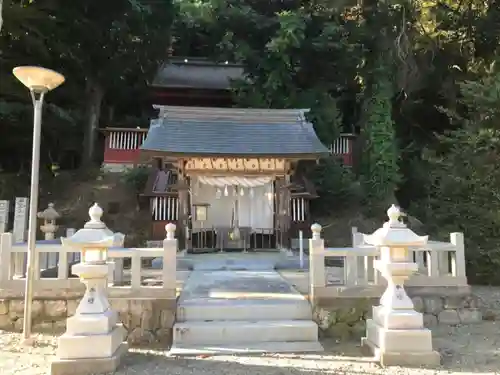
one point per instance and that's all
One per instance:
(197, 74)
(232, 131)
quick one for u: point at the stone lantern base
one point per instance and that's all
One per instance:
(93, 342)
(87, 366)
(398, 338)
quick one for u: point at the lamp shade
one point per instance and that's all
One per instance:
(38, 78)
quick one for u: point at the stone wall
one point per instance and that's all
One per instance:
(146, 321)
(344, 318)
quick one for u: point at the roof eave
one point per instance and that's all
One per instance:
(297, 156)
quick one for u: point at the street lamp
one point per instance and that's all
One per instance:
(39, 81)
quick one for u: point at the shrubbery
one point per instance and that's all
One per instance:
(136, 177)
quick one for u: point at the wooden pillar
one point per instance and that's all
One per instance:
(278, 183)
(183, 206)
(282, 214)
(286, 212)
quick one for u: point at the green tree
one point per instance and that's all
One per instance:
(295, 54)
(111, 47)
(463, 184)
(107, 50)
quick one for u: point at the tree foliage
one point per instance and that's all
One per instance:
(380, 170)
(463, 181)
(108, 51)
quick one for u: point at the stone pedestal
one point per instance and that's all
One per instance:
(396, 334)
(93, 342)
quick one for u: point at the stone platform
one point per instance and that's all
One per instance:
(242, 312)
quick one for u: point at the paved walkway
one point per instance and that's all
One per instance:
(223, 287)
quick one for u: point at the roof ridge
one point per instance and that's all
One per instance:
(251, 115)
(279, 121)
(184, 109)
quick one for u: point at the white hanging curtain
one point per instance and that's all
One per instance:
(248, 182)
(255, 205)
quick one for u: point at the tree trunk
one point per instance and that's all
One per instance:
(1, 14)
(95, 95)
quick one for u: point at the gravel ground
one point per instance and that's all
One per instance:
(472, 349)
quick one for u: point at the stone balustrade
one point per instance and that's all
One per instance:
(122, 283)
(146, 309)
(441, 264)
(344, 291)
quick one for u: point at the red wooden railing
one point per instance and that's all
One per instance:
(122, 146)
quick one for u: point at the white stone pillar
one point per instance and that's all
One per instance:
(316, 263)
(94, 342)
(169, 272)
(458, 269)
(396, 334)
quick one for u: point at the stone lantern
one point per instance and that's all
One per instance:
(49, 216)
(396, 333)
(94, 341)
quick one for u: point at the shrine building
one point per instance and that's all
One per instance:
(227, 177)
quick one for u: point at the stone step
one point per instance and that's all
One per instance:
(241, 310)
(235, 265)
(249, 348)
(237, 332)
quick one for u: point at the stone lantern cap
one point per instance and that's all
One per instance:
(394, 233)
(49, 213)
(95, 234)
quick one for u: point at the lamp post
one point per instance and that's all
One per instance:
(39, 81)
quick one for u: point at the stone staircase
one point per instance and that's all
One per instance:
(226, 312)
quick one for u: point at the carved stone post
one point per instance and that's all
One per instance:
(93, 342)
(169, 272)
(396, 334)
(316, 263)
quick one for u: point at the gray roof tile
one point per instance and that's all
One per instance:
(228, 137)
(197, 74)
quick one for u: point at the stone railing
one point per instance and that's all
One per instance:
(441, 264)
(122, 283)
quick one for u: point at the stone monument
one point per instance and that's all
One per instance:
(396, 334)
(20, 220)
(49, 217)
(4, 216)
(94, 341)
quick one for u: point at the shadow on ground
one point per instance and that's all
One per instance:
(338, 359)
